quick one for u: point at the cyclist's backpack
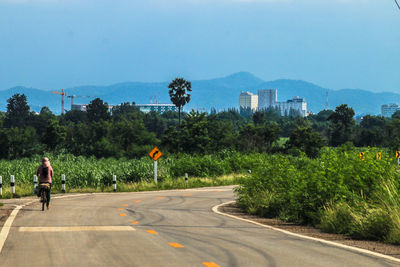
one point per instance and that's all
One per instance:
(45, 172)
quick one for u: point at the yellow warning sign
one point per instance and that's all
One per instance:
(362, 155)
(379, 155)
(155, 153)
(397, 154)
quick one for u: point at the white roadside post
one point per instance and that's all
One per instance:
(63, 183)
(35, 181)
(1, 186)
(12, 183)
(186, 177)
(115, 183)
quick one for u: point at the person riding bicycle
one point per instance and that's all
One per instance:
(45, 173)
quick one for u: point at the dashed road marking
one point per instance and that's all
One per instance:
(137, 201)
(159, 197)
(120, 209)
(210, 264)
(75, 228)
(124, 205)
(187, 195)
(151, 232)
(122, 214)
(135, 222)
(175, 245)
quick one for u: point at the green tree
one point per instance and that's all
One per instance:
(259, 138)
(75, 116)
(179, 90)
(17, 114)
(97, 110)
(155, 123)
(195, 133)
(306, 140)
(259, 118)
(342, 125)
(126, 111)
(371, 131)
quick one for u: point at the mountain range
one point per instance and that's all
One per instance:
(221, 94)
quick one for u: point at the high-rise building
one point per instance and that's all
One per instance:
(294, 106)
(248, 100)
(267, 98)
(389, 110)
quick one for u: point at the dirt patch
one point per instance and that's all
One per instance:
(390, 250)
(5, 211)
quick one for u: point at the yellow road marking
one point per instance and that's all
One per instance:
(75, 228)
(175, 245)
(137, 201)
(159, 197)
(210, 264)
(188, 195)
(151, 232)
(120, 209)
(124, 205)
(135, 222)
(122, 214)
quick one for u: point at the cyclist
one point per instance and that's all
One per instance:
(45, 173)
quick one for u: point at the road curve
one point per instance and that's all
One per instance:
(168, 228)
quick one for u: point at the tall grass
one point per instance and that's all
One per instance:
(338, 192)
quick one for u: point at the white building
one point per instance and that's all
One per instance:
(389, 110)
(157, 107)
(296, 104)
(267, 98)
(248, 100)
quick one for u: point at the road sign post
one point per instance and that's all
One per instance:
(155, 171)
(155, 154)
(398, 157)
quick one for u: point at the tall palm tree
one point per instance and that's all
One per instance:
(178, 93)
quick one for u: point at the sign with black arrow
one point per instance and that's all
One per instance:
(155, 154)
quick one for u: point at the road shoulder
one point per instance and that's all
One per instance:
(373, 246)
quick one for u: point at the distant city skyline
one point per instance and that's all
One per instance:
(52, 44)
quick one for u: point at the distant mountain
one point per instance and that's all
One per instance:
(220, 93)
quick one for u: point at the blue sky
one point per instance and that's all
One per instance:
(52, 44)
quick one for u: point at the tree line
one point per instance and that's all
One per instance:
(125, 131)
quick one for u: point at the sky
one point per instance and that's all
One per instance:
(53, 44)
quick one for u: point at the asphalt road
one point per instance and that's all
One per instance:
(170, 228)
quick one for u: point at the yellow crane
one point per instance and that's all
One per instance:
(62, 93)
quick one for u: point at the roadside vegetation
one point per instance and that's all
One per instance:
(304, 170)
(338, 192)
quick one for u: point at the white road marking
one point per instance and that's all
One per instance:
(360, 250)
(7, 225)
(76, 229)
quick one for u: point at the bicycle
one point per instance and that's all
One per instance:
(44, 188)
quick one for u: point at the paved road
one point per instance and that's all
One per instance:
(170, 228)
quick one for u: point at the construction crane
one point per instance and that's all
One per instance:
(73, 96)
(62, 93)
